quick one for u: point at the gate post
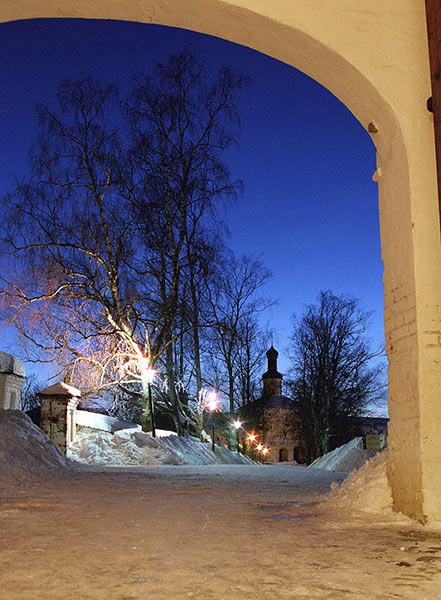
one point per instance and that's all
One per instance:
(58, 407)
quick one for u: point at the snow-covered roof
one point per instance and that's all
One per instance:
(85, 418)
(11, 364)
(60, 389)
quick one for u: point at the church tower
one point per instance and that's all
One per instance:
(272, 379)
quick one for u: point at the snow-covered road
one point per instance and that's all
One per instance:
(205, 532)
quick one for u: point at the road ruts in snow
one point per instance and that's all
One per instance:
(208, 533)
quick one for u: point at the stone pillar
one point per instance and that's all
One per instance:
(12, 376)
(58, 407)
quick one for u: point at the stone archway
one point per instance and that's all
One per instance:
(373, 56)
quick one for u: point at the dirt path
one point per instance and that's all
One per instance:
(227, 532)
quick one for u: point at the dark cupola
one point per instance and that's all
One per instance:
(272, 379)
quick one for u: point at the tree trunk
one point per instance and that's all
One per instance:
(231, 389)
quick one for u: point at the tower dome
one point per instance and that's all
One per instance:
(272, 379)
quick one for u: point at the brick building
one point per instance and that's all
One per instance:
(275, 420)
(273, 417)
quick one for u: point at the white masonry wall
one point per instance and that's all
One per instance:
(12, 376)
(10, 388)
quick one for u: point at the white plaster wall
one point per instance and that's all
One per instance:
(10, 388)
(372, 54)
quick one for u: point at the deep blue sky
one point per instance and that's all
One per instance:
(309, 207)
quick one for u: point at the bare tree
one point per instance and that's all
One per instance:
(234, 303)
(182, 121)
(253, 344)
(104, 229)
(336, 377)
(29, 392)
(76, 296)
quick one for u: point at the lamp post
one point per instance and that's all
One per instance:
(148, 376)
(237, 425)
(212, 405)
(251, 440)
(259, 449)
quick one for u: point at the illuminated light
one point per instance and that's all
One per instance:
(237, 424)
(149, 375)
(143, 364)
(251, 437)
(265, 451)
(212, 401)
(259, 447)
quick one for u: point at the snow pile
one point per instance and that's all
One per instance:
(132, 447)
(194, 452)
(26, 453)
(123, 448)
(365, 490)
(348, 457)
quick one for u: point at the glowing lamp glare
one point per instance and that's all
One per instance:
(212, 401)
(149, 375)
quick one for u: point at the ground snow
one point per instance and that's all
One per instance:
(26, 453)
(366, 489)
(130, 447)
(247, 531)
(126, 447)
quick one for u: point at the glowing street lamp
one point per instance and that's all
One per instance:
(251, 440)
(148, 375)
(259, 447)
(212, 404)
(212, 401)
(237, 424)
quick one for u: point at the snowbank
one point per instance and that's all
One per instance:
(346, 458)
(123, 448)
(26, 453)
(366, 489)
(131, 447)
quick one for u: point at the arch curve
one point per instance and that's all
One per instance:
(373, 56)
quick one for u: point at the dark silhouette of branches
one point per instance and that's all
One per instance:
(336, 377)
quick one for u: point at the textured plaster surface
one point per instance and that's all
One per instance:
(373, 56)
